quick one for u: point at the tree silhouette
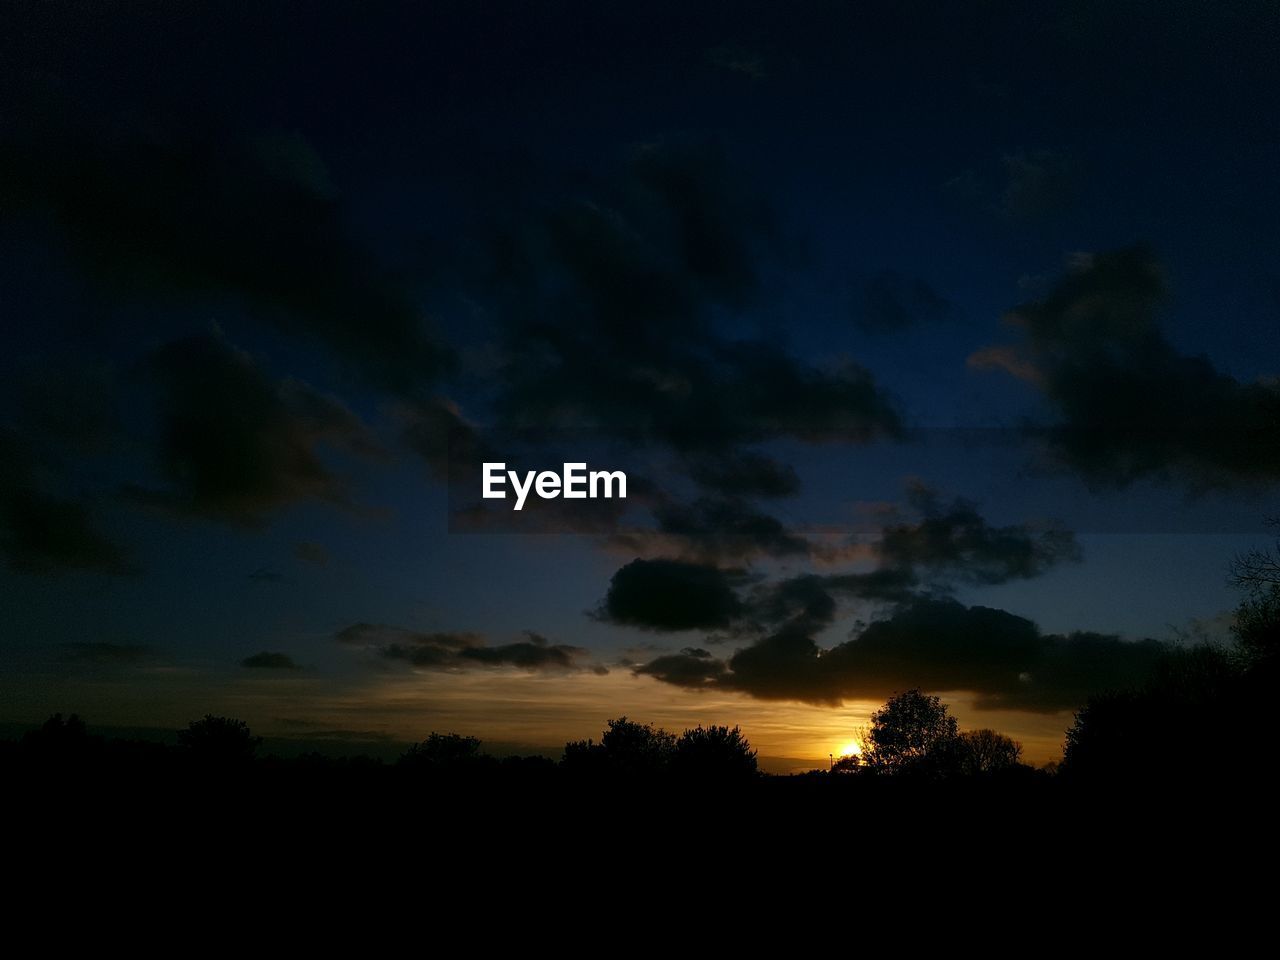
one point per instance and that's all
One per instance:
(1114, 736)
(979, 752)
(1203, 712)
(1258, 568)
(626, 748)
(1198, 713)
(714, 753)
(849, 763)
(1257, 625)
(219, 740)
(583, 757)
(1257, 621)
(61, 743)
(911, 729)
(442, 752)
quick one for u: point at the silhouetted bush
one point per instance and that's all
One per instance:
(1257, 620)
(1257, 625)
(911, 733)
(1201, 715)
(850, 763)
(714, 753)
(446, 753)
(62, 745)
(219, 741)
(983, 753)
(626, 749)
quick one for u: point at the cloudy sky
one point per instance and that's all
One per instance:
(939, 346)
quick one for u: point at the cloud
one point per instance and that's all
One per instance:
(956, 541)
(455, 651)
(190, 209)
(270, 661)
(915, 559)
(1008, 359)
(670, 595)
(105, 654)
(236, 445)
(926, 639)
(609, 303)
(610, 319)
(933, 643)
(724, 528)
(42, 534)
(812, 600)
(691, 667)
(1129, 405)
(892, 302)
(43, 531)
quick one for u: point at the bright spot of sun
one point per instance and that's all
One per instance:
(851, 749)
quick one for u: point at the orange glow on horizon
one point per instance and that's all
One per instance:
(507, 709)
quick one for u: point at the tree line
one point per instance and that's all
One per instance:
(913, 735)
(1204, 715)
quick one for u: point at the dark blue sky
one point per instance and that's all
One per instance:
(986, 300)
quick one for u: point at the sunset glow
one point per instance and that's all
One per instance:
(509, 378)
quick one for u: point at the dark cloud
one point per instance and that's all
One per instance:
(691, 667)
(956, 541)
(725, 528)
(670, 595)
(892, 302)
(610, 320)
(270, 661)
(768, 394)
(610, 307)
(812, 600)
(236, 445)
(916, 560)
(190, 209)
(105, 654)
(932, 643)
(43, 531)
(461, 651)
(928, 640)
(1130, 405)
(710, 221)
(1072, 667)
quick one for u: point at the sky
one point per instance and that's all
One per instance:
(938, 345)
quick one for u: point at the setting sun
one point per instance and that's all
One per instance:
(851, 749)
